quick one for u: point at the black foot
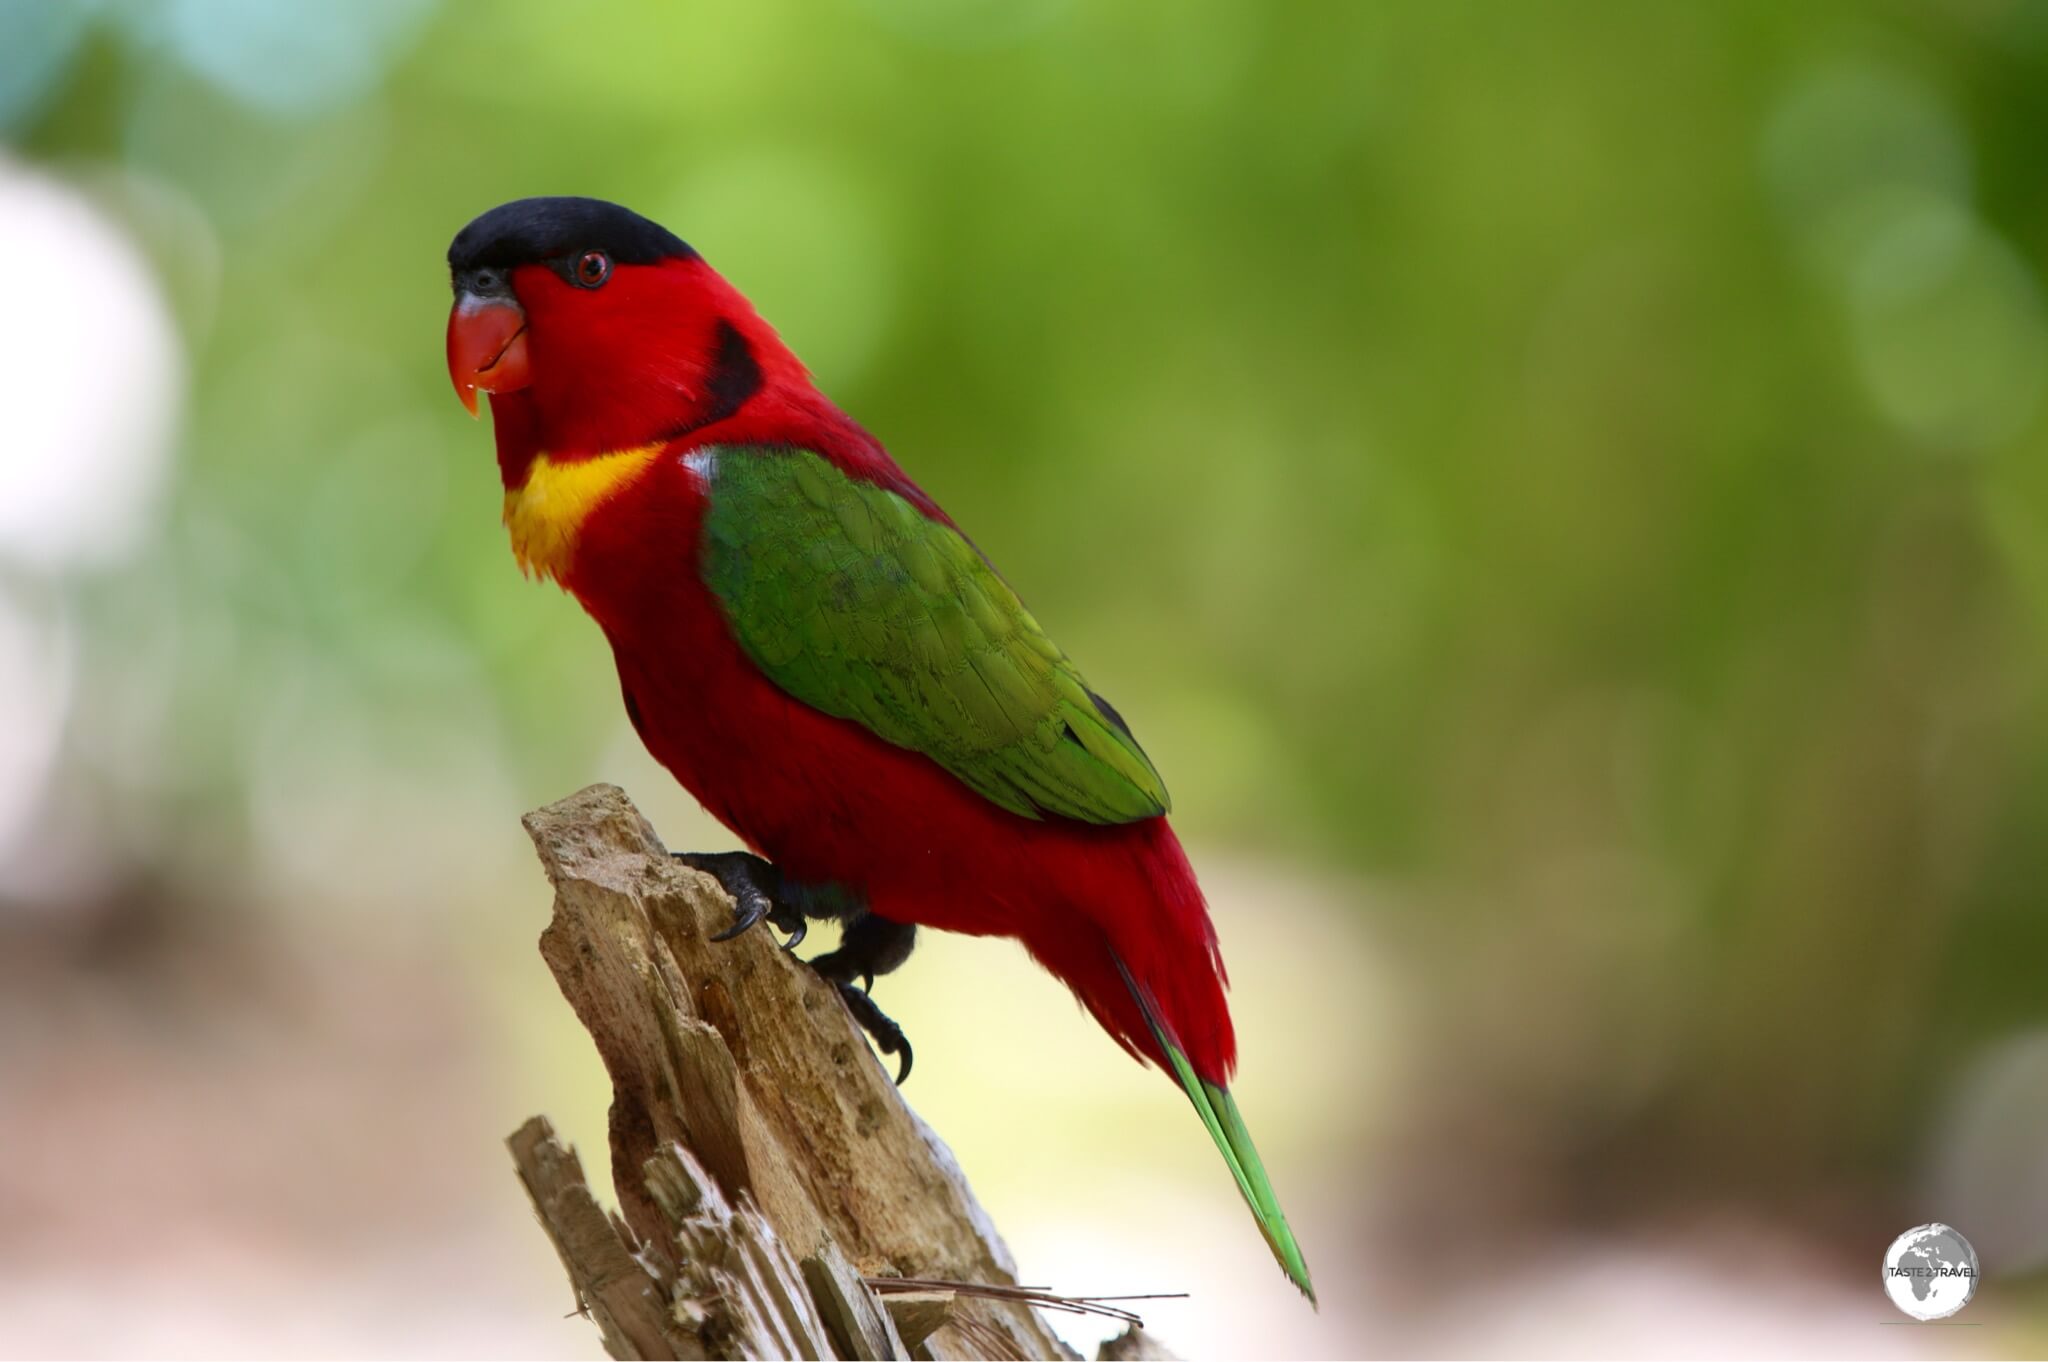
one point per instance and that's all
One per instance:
(753, 884)
(887, 1035)
(871, 945)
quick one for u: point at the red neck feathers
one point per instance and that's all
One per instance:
(661, 350)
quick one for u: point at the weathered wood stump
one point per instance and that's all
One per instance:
(764, 1163)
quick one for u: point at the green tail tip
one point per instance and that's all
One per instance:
(1218, 1110)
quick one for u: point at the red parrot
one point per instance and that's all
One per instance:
(813, 648)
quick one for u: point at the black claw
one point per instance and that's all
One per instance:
(887, 1035)
(871, 945)
(753, 883)
(745, 914)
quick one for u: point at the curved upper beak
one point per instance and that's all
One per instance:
(486, 347)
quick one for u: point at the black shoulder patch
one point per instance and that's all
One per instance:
(735, 376)
(528, 230)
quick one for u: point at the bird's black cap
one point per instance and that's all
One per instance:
(528, 230)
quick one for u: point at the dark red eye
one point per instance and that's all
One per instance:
(593, 268)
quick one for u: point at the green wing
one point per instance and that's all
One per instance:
(857, 603)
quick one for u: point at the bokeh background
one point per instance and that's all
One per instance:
(1562, 492)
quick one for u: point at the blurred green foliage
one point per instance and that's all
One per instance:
(1583, 464)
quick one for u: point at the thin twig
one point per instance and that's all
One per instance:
(1044, 1297)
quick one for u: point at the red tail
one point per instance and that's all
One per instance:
(1134, 896)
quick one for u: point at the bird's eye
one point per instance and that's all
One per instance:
(593, 268)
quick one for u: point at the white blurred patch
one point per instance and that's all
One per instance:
(1729, 1290)
(91, 372)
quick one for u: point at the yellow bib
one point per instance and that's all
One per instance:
(546, 512)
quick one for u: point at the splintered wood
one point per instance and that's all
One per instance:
(764, 1162)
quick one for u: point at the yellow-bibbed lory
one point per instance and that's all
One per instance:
(820, 656)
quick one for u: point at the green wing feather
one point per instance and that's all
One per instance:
(857, 603)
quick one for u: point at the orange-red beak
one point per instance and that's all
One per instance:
(486, 348)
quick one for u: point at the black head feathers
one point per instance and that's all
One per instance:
(528, 230)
